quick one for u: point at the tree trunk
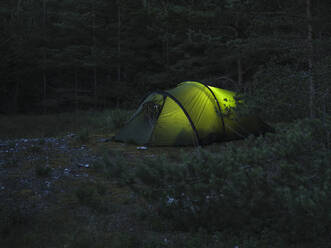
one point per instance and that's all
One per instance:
(145, 4)
(239, 59)
(44, 87)
(76, 90)
(18, 8)
(310, 59)
(95, 87)
(167, 38)
(119, 40)
(240, 71)
(325, 111)
(94, 56)
(15, 105)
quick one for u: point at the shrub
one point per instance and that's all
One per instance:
(279, 184)
(43, 171)
(281, 92)
(92, 195)
(119, 117)
(114, 166)
(109, 120)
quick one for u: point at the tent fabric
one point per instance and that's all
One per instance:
(190, 114)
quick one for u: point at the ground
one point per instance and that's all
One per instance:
(51, 192)
(58, 186)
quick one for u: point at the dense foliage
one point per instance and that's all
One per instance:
(275, 189)
(70, 54)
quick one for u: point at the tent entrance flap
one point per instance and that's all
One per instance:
(141, 126)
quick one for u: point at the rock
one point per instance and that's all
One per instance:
(141, 148)
(48, 184)
(66, 171)
(84, 165)
(71, 135)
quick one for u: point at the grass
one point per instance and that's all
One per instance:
(100, 210)
(43, 171)
(85, 123)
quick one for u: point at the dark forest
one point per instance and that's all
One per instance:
(67, 55)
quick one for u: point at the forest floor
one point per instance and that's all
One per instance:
(56, 192)
(53, 195)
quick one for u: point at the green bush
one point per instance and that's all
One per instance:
(277, 186)
(84, 135)
(43, 171)
(109, 120)
(282, 92)
(92, 195)
(119, 117)
(114, 166)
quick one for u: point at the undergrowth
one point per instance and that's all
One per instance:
(275, 189)
(84, 123)
(268, 191)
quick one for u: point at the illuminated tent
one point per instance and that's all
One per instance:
(193, 113)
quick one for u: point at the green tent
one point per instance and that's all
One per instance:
(193, 113)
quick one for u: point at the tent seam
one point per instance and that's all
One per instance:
(185, 112)
(218, 104)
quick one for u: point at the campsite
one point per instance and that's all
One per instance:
(165, 124)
